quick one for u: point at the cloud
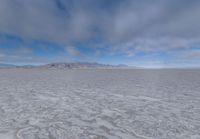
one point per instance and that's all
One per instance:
(19, 50)
(72, 51)
(150, 46)
(107, 27)
(194, 54)
(2, 55)
(20, 53)
(66, 20)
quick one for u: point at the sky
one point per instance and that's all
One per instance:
(153, 33)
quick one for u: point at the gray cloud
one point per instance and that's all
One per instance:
(72, 51)
(195, 54)
(150, 46)
(2, 55)
(16, 54)
(64, 20)
(129, 26)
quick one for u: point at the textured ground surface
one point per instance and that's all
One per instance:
(99, 104)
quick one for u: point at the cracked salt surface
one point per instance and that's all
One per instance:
(99, 104)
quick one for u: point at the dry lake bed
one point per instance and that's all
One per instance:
(99, 104)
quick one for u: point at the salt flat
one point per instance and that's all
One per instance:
(99, 104)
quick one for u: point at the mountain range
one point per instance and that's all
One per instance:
(70, 65)
(2, 65)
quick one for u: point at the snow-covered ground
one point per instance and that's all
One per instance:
(99, 104)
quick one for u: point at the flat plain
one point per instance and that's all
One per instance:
(99, 104)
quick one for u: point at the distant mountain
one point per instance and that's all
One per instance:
(79, 65)
(122, 65)
(2, 65)
(27, 66)
(71, 65)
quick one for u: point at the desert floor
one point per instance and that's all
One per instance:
(99, 104)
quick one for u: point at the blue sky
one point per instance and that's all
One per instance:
(153, 33)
